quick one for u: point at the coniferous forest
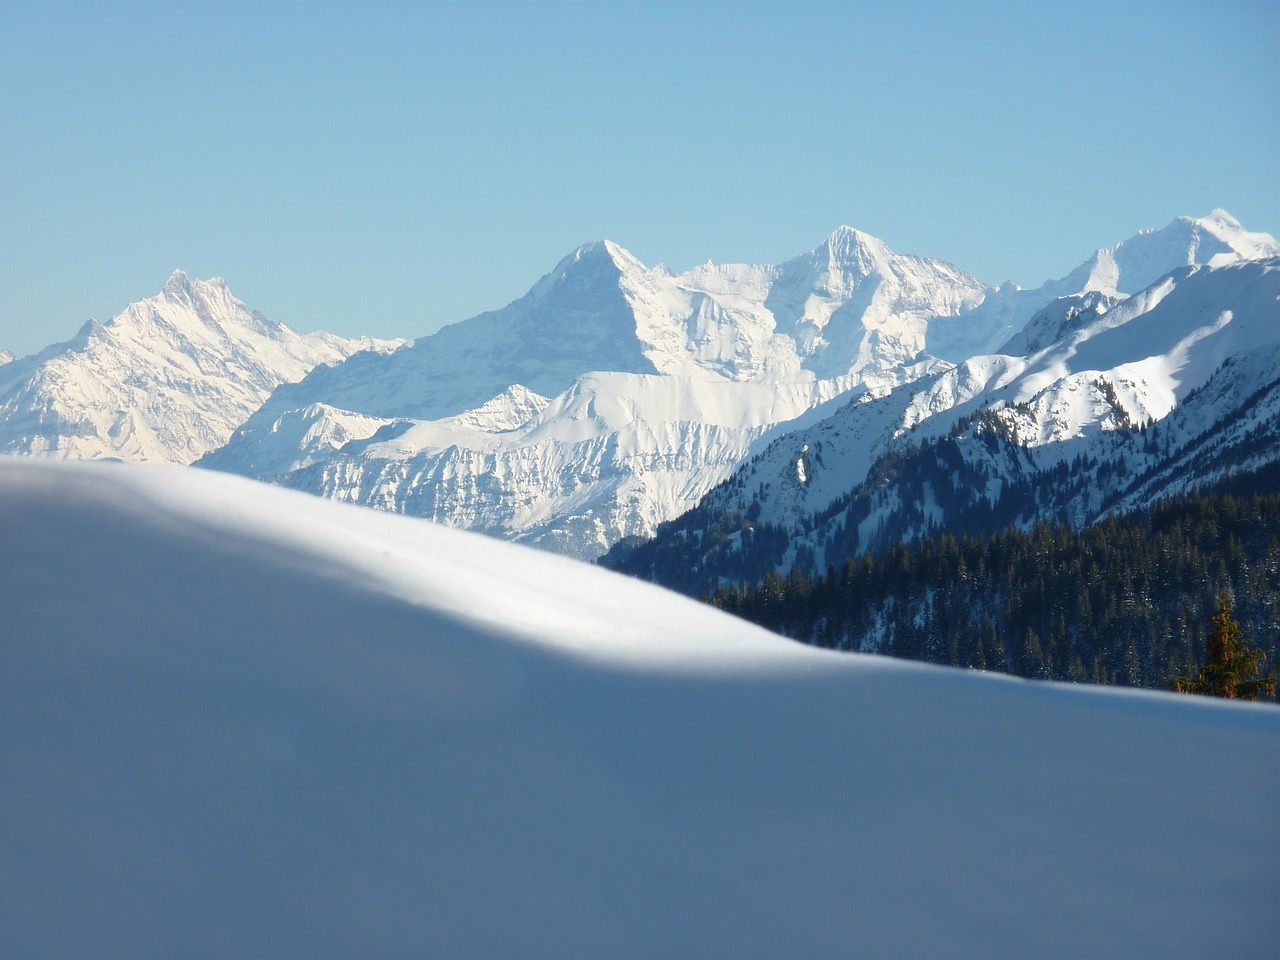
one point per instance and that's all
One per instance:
(1125, 601)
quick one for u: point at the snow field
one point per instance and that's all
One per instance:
(241, 721)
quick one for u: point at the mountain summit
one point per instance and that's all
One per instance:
(165, 381)
(652, 386)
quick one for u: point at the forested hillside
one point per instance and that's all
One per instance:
(1126, 601)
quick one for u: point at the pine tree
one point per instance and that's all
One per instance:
(1232, 668)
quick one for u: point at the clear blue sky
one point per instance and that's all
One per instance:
(388, 168)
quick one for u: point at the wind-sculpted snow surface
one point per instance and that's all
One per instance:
(242, 722)
(164, 382)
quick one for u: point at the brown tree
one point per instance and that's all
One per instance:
(1232, 668)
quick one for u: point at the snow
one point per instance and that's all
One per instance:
(544, 421)
(609, 454)
(239, 721)
(166, 381)
(1148, 352)
(651, 387)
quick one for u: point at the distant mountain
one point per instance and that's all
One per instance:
(1173, 389)
(5, 357)
(164, 382)
(738, 349)
(638, 390)
(610, 398)
(1113, 272)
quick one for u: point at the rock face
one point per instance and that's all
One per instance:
(613, 396)
(166, 381)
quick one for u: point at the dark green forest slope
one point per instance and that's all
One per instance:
(1126, 601)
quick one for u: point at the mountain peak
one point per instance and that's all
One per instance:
(181, 286)
(1220, 216)
(598, 250)
(1246, 244)
(599, 258)
(178, 283)
(848, 246)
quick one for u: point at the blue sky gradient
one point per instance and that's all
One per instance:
(388, 168)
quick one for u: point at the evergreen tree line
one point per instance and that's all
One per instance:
(1126, 601)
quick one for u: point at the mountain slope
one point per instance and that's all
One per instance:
(165, 381)
(1114, 272)
(667, 354)
(849, 305)
(849, 315)
(1168, 389)
(244, 722)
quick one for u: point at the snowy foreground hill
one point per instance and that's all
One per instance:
(243, 722)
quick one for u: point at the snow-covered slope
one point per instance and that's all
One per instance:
(165, 381)
(1112, 272)
(5, 357)
(613, 456)
(241, 722)
(849, 307)
(1203, 342)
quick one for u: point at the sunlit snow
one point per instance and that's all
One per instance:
(243, 722)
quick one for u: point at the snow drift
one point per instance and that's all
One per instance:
(242, 721)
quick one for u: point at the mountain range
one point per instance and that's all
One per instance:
(614, 397)
(1166, 392)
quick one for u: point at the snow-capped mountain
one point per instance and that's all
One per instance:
(242, 722)
(703, 362)
(1173, 387)
(165, 381)
(5, 357)
(636, 390)
(1113, 272)
(612, 456)
(851, 309)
